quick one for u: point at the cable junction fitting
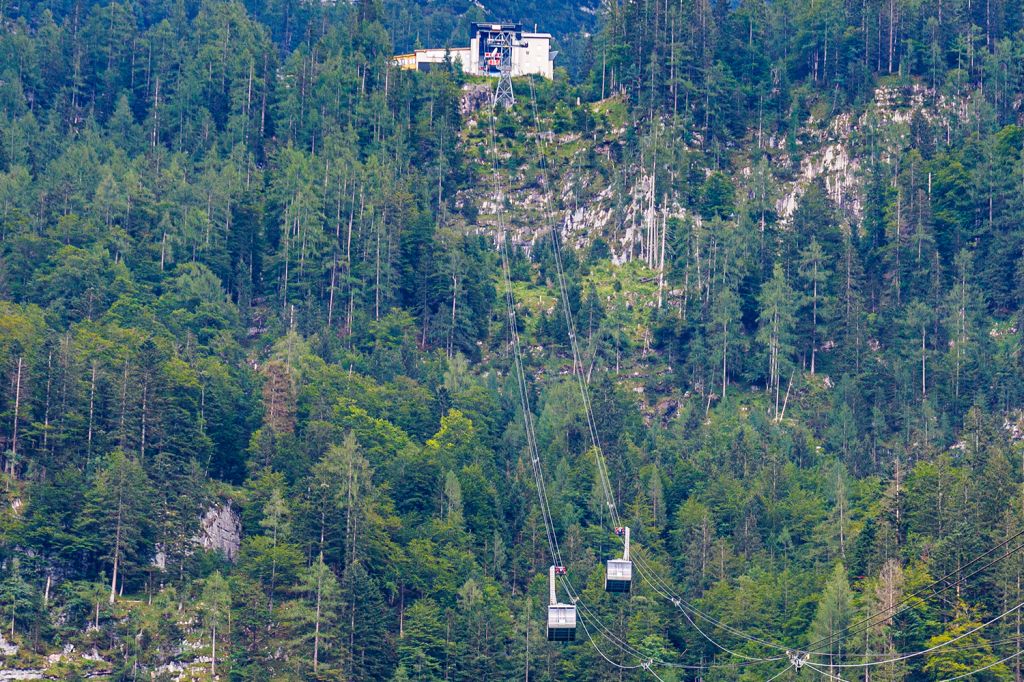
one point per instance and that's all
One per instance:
(797, 658)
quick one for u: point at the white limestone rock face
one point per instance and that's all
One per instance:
(6, 648)
(6, 675)
(475, 96)
(618, 209)
(221, 530)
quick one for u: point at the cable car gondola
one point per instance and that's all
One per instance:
(619, 572)
(561, 617)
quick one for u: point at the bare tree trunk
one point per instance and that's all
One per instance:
(376, 277)
(892, 29)
(142, 441)
(316, 632)
(46, 409)
(661, 263)
(725, 354)
(14, 432)
(924, 384)
(124, 403)
(348, 261)
(117, 549)
(92, 409)
(451, 331)
(814, 318)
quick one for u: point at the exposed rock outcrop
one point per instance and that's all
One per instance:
(831, 150)
(221, 530)
(474, 97)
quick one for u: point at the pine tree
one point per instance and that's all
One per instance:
(311, 620)
(775, 329)
(365, 626)
(115, 516)
(962, 322)
(816, 275)
(834, 614)
(421, 649)
(216, 608)
(725, 334)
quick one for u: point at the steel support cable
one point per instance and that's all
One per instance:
(571, 328)
(964, 647)
(606, 481)
(739, 633)
(527, 426)
(517, 357)
(915, 654)
(577, 358)
(668, 593)
(535, 459)
(887, 657)
(606, 632)
(613, 662)
(524, 396)
(570, 325)
(600, 459)
(627, 647)
(647, 663)
(824, 672)
(542, 491)
(780, 673)
(889, 612)
(983, 668)
(686, 608)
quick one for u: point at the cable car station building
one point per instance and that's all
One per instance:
(531, 53)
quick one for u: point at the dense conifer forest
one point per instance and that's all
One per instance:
(262, 410)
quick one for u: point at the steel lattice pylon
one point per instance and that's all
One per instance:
(502, 43)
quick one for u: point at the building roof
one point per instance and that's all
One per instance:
(478, 26)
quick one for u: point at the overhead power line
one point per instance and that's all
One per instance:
(891, 612)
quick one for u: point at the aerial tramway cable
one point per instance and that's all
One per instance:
(650, 576)
(647, 662)
(892, 611)
(532, 444)
(929, 650)
(985, 667)
(780, 673)
(599, 457)
(825, 673)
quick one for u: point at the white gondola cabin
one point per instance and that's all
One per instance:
(561, 617)
(619, 572)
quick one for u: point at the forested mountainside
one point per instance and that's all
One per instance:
(261, 415)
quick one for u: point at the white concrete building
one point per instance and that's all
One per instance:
(531, 53)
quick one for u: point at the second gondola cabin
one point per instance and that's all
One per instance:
(618, 575)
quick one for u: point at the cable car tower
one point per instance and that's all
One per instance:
(500, 41)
